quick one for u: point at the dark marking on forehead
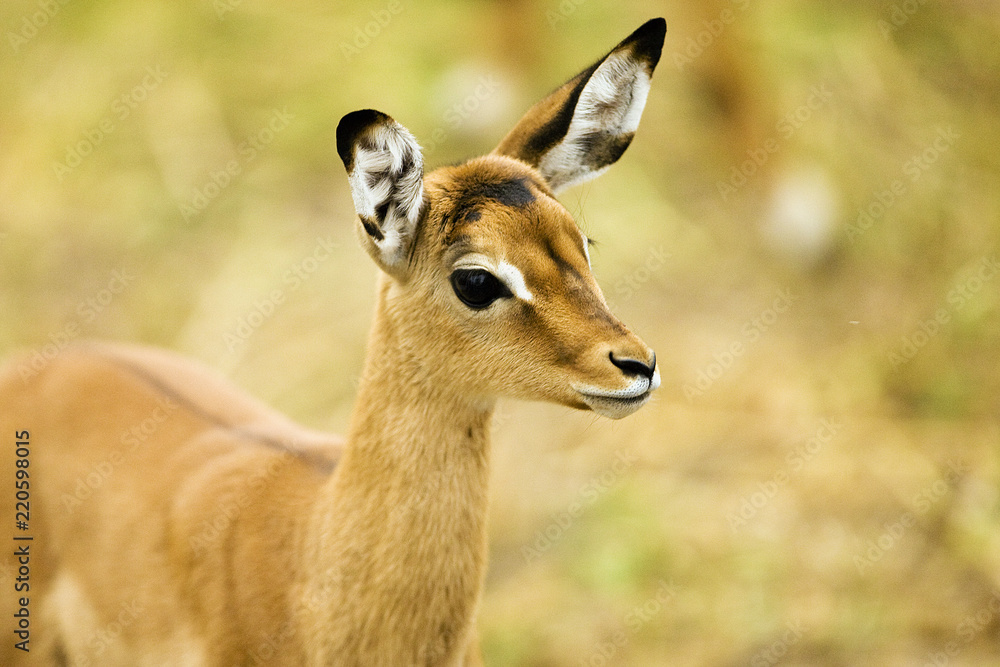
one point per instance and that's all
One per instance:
(460, 239)
(513, 192)
(472, 194)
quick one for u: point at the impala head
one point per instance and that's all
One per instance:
(488, 276)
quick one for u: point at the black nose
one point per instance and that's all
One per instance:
(634, 366)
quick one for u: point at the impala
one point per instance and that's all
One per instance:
(176, 521)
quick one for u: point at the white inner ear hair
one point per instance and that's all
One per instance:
(610, 105)
(387, 187)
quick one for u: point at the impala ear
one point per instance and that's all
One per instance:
(386, 170)
(583, 127)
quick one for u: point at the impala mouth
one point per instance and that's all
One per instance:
(614, 408)
(622, 402)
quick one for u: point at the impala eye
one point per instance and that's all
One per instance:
(478, 288)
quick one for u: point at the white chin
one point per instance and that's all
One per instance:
(615, 408)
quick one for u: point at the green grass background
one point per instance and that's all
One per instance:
(612, 543)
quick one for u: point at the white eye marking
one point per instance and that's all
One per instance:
(586, 250)
(508, 274)
(514, 279)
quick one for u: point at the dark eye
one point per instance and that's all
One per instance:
(477, 288)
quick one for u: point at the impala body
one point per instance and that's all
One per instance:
(177, 521)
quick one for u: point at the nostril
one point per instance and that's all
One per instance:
(634, 366)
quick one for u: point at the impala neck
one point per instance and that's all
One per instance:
(398, 540)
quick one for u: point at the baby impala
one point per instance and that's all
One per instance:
(232, 536)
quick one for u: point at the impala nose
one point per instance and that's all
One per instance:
(634, 366)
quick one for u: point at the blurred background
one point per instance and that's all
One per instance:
(805, 229)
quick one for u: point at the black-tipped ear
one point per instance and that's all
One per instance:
(385, 170)
(583, 127)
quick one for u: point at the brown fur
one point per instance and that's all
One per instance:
(175, 521)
